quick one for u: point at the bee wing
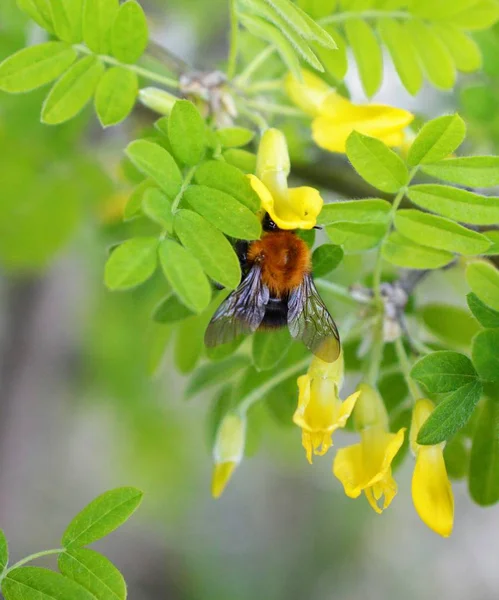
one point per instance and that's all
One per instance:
(241, 312)
(310, 322)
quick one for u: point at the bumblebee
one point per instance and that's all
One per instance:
(276, 290)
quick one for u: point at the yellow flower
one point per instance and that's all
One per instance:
(289, 208)
(320, 411)
(431, 489)
(335, 117)
(366, 467)
(228, 451)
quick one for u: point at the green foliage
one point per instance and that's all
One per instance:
(269, 348)
(484, 459)
(485, 355)
(367, 53)
(233, 137)
(214, 374)
(98, 19)
(451, 324)
(186, 133)
(84, 574)
(171, 310)
(402, 252)
(436, 140)
(158, 207)
(229, 179)
(473, 171)
(325, 259)
(355, 211)
(102, 516)
(94, 572)
(129, 33)
(132, 263)
(115, 95)
(33, 67)
(483, 280)
(486, 316)
(442, 372)
(194, 291)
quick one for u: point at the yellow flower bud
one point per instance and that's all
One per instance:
(157, 100)
(228, 451)
(320, 410)
(272, 162)
(431, 488)
(308, 94)
(370, 409)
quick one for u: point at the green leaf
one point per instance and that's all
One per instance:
(451, 324)
(483, 280)
(367, 53)
(263, 9)
(209, 246)
(233, 137)
(155, 162)
(134, 203)
(35, 583)
(270, 347)
(171, 310)
(94, 572)
(493, 237)
(189, 342)
(486, 316)
(72, 91)
(403, 54)
(66, 19)
(437, 139)
(376, 163)
(214, 374)
(456, 456)
(456, 204)
(158, 207)
(427, 9)
(444, 371)
(131, 263)
(308, 236)
(438, 232)
(35, 66)
(464, 50)
(187, 133)
(102, 516)
(242, 159)
(484, 460)
(335, 62)
(450, 415)
(481, 15)
(321, 35)
(226, 178)
(115, 96)
(290, 14)
(129, 33)
(355, 211)
(435, 57)
(224, 350)
(185, 275)
(473, 171)
(393, 389)
(485, 354)
(224, 212)
(260, 28)
(402, 252)
(356, 237)
(325, 259)
(4, 551)
(39, 11)
(98, 18)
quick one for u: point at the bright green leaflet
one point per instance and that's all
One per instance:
(473, 171)
(356, 237)
(436, 140)
(34, 583)
(129, 34)
(171, 310)
(227, 178)
(452, 324)
(357, 211)
(402, 252)
(484, 460)
(158, 207)
(445, 371)
(486, 316)
(367, 52)
(325, 259)
(102, 516)
(187, 133)
(115, 96)
(269, 348)
(98, 18)
(483, 279)
(131, 263)
(485, 354)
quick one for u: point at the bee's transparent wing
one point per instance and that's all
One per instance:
(240, 313)
(310, 322)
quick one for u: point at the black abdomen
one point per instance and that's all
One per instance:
(276, 314)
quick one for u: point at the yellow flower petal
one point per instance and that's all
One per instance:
(222, 472)
(432, 492)
(297, 210)
(348, 468)
(308, 94)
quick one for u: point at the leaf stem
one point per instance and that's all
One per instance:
(406, 368)
(234, 38)
(188, 178)
(30, 558)
(259, 392)
(253, 65)
(148, 74)
(366, 14)
(378, 266)
(376, 354)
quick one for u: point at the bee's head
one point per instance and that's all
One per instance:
(268, 224)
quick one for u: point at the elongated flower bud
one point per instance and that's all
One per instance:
(157, 100)
(228, 451)
(272, 162)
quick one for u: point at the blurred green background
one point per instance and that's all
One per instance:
(80, 412)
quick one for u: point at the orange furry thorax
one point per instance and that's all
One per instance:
(284, 259)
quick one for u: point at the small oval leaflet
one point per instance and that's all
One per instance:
(102, 516)
(325, 259)
(129, 34)
(94, 572)
(171, 310)
(187, 133)
(437, 139)
(35, 583)
(131, 263)
(35, 66)
(224, 212)
(115, 96)
(185, 275)
(483, 280)
(484, 459)
(402, 252)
